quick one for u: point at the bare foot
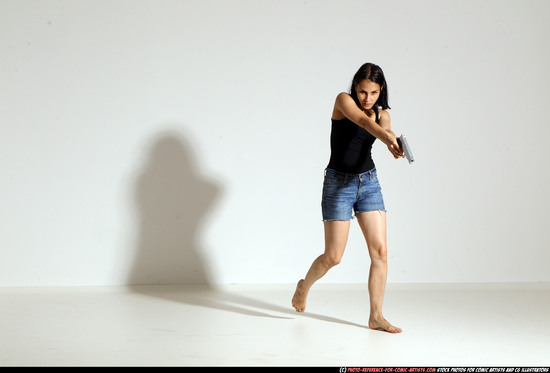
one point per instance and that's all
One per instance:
(299, 298)
(380, 323)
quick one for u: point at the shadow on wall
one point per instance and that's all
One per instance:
(172, 199)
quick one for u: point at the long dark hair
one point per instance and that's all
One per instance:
(375, 74)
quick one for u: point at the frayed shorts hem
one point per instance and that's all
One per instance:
(353, 216)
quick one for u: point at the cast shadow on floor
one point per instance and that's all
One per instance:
(210, 296)
(174, 202)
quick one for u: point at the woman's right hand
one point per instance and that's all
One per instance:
(393, 145)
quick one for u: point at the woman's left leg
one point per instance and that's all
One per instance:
(373, 225)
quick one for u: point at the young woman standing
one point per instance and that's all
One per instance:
(351, 185)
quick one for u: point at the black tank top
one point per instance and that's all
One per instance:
(350, 147)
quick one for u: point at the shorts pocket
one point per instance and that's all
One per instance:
(333, 180)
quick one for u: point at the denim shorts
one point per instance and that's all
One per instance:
(344, 193)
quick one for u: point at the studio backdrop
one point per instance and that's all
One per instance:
(183, 141)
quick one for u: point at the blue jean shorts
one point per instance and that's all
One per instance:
(344, 194)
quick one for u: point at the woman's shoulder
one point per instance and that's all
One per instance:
(383, 114)
(341, 98)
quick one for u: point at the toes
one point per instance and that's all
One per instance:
(394, 329)
(384, 326)
(297, 307)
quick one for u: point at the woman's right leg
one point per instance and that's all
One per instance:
(336, 237)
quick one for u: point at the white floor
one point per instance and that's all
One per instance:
(254, 325)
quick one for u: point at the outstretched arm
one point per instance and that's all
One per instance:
(347, 107)
(385, 123)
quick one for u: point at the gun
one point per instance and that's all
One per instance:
(407, 153)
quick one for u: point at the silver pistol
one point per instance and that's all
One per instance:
(407, 153)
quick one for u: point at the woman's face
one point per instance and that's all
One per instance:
(367, 93)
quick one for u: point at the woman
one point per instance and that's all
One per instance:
(351, 184)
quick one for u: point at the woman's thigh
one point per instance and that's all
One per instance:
(373, 226)
(336, 238)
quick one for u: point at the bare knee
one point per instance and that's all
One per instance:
(379, 254)
(330, 261)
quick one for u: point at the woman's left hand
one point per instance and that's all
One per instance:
(395, 150)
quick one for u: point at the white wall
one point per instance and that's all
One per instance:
(185, 141)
